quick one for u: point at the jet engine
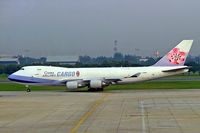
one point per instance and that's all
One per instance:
(74, 85)
(97, 84)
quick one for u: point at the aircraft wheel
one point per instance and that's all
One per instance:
(28, 90)
(91, 90)
(95, 89)
(100, 89)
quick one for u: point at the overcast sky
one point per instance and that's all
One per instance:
(89, 27)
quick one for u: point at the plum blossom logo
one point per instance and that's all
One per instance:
(175, 56)
(77, 73)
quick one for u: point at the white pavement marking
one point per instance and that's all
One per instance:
(143, 117)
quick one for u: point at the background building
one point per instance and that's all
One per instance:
(9, 61)
(62, 60)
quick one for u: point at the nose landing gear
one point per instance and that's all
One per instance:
(28, 89)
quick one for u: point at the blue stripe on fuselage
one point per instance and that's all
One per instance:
(31, 80)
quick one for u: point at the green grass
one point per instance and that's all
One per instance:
(19, 87)
(136, 86)
(3, 76)
(158, 85)
(185, 76)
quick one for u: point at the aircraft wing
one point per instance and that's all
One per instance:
(134, 75)
(108, 80)
(87, 81)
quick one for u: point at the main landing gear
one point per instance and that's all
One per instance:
(28, 89)
(95, 89)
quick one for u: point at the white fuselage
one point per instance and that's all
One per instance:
(48, 75)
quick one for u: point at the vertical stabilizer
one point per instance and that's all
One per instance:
(177, 56)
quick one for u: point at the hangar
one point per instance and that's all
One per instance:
(9, 61)
(63, 60)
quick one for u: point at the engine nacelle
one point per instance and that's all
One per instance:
(72, 85)
(96, 84)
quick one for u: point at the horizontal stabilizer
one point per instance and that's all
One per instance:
(176, 69)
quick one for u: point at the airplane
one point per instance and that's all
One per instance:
(96, 79)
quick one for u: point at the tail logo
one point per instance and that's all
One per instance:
(175, 56)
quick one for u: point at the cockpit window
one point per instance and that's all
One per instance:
(22, 69)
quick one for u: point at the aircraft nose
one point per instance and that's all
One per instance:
(12, 77)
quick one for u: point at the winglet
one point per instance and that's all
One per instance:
(177, 56)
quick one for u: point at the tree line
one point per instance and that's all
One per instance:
(8, 69)
(118, 60)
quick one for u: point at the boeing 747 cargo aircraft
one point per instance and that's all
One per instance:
(98, 78)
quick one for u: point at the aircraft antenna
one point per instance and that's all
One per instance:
(115, 46)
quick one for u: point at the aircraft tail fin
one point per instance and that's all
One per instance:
(177, 56)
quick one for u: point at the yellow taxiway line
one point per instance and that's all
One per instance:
(92, 109)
